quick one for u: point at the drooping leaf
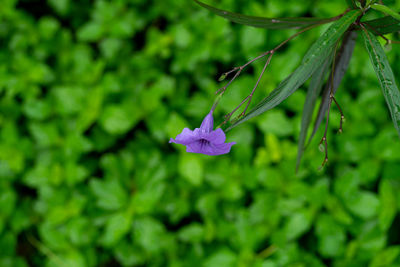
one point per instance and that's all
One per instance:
(341, 63)
(267, 23)
(313, 92)
(385, 75)
(386, 10)
(313, 60)
(383, 25)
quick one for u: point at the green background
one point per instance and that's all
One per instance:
(91, 92)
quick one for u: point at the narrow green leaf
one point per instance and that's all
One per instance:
(313, 92)
(383, 25)
(386, 10)
(341, 64)
(385, 75)
(268, 23)
(312, 61)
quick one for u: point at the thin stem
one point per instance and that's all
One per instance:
(45, 250)
(267, 252)
(239, 69)
(228, 116)
(250, 96)
(331, 97)
(256, 85)
(341, 114)
(294, 36)
(324, 139)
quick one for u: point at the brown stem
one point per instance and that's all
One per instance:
(250, 96)
(341, 114)
(256, 85)
(331, 97)
(238, 71)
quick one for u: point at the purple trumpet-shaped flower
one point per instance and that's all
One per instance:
(204, 140)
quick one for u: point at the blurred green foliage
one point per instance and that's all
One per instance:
(90, 93)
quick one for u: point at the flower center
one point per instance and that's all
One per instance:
(204, 142)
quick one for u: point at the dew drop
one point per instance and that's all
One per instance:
(387, 82)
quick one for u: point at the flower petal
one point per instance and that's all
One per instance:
(216, 137)
(220, 149)
(209, 148)
(208, 123)
(186, 137)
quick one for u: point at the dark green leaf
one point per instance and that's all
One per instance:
(341, 63)
(383, 25)
(268, 23)
(314, 58)
(385, 75)
(312, 94)
(386, 10)
(351, 4)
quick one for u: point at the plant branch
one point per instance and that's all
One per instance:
(331, 98)
(239, 69)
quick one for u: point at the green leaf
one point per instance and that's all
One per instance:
(117, 226)
(276, 122)
(312, 93)
(331, 236)
(298, 223)
(351, 4)
(364, 204)
(223, 258)
(60, 6)
(314, 58)
(119, 119)
(388, 210)
(383, 25)
(128, 254)
(386, 10)
(192, 233)
(92, 31)
(267, 23)
(149, 234)
(341, 64)
(191, 168)
(385, 257)
(109, 193)
(385, 75)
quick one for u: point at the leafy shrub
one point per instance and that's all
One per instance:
(92, 91)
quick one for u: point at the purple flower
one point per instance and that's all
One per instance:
(204, 140)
